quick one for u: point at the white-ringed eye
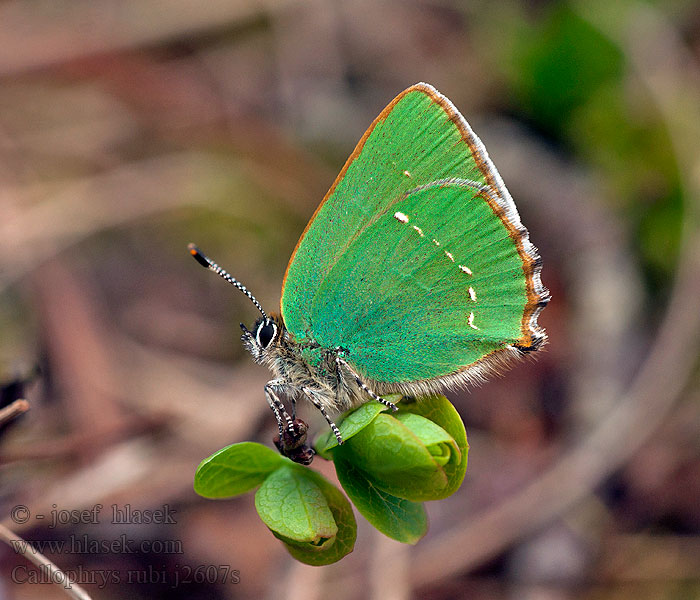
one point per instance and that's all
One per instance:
(266, 332)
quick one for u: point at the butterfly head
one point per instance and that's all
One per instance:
(263, 337)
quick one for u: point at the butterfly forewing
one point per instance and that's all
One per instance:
(416, 262)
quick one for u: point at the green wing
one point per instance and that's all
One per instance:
(416, 262)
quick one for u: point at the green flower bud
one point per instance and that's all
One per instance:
(406, 454)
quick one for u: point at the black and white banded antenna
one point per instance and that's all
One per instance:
(206, 262)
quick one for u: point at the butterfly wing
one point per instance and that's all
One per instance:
(416, 262)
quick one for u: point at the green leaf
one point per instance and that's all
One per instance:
(395, 459)
(351, 423)
(440, 411)
(235, 470)
(291, 503)
(333, 549)
(399, 519)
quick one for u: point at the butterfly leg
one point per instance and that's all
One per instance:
(318, 404)
(290, 391)
(341, 379)
(363, 387)
(276, 404)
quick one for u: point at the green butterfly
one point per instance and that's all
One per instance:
(414, 275)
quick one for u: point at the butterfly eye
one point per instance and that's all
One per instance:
(266, 333)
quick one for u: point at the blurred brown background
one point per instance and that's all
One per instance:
(130, 128)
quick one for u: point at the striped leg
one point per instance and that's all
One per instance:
(341, 379)
(317, 403)
(276, 404)
(363, 387)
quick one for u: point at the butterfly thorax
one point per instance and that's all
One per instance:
(303, 366)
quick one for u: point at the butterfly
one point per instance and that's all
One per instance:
(414, 275)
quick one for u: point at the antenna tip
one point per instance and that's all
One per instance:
(197, 255)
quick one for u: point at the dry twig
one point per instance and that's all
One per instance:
(45, 565)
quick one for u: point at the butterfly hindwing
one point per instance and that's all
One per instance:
(416, 262)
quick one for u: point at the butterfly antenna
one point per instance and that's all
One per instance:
(206, 262)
